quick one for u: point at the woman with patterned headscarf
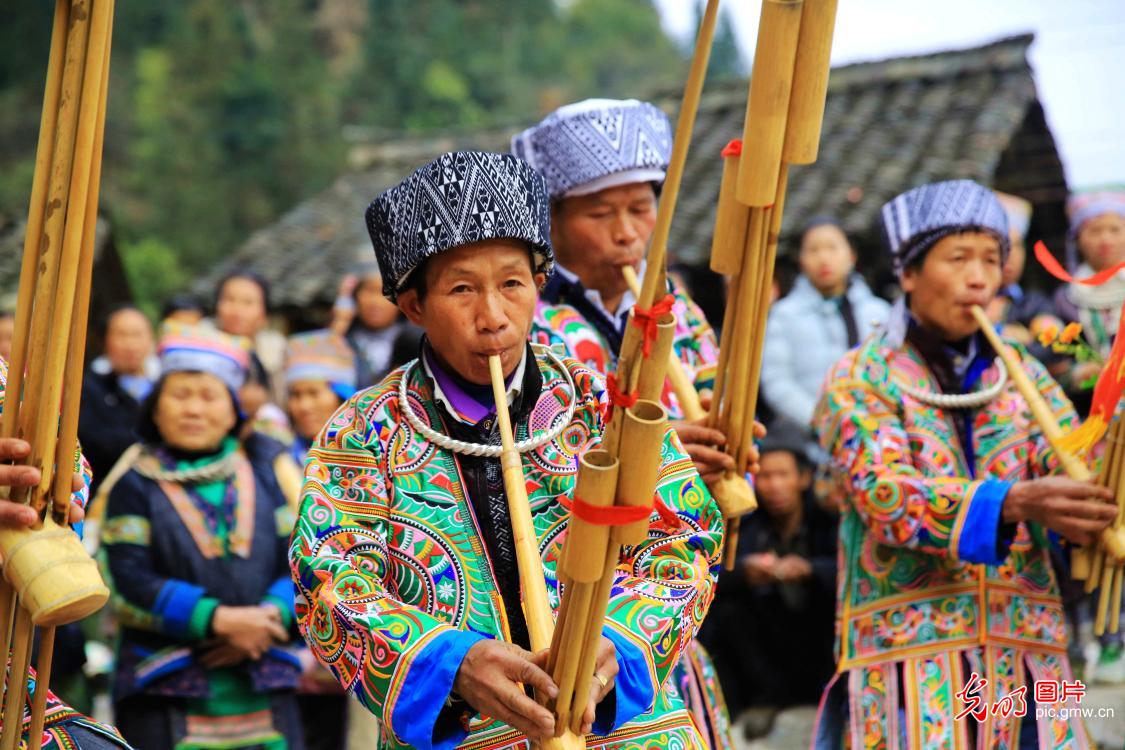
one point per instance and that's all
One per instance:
(195, 534)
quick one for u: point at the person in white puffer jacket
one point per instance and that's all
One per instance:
(830, 310)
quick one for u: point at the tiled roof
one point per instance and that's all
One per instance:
(889, 125)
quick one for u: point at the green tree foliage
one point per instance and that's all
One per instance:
(224, 113)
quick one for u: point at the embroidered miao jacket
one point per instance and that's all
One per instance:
(565, 327)
(59, 717)
(395, 584)
(169, 571)
(930, 579)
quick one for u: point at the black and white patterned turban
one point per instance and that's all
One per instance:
(916, 220)
(460, 198)
(597, 144)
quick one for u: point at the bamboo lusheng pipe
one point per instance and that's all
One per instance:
(35, 328)
(810, 82)
(533, 587)
(685, 123)
(44, 156)
(72, 390)
(16, 684)
(1109, 476)
(686, 395)
(76, 355)
(46, 426)
(36, 211)
(731, 217)
(1112, 475)
(767, 108)
(582, 566)
(641, 441)
(1048, 424)
(654, 273)
(56, 579)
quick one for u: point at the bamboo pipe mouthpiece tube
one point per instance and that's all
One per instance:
(810, 82)
(533, 587)
(586, 543)
(641, 439)
(57, 580)
(532, 584)
(1046, 419)
(1081, 558)
(767, 110)
(731, 217)
(655, 367)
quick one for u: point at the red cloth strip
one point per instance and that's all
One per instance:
(734, 148)
(1053, 267)
(619, 515)
(646, 320)
(609, 515)
(617, 397)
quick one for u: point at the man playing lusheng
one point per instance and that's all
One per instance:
(408, 588)
(605, 161)
(946, 506)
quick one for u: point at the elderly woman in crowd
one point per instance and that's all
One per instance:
(320, 375)
(195, 536)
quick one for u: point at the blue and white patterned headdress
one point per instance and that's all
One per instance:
(197, 348)
(916, 220)
(460, 198)
(597, 144)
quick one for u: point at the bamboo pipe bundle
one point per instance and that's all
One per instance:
(1107, 572)
(50, 579)
(785, 110)
(631, 359)
(533, 587)
(633, 434)
(1112, 540)
(582, 614)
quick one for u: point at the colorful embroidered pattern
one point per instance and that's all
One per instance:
(906, 592)
(387, 552)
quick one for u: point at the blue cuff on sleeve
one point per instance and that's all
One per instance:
(283, 594)
(633, 688)
(175, 604)
(427, 685)
(980, 537)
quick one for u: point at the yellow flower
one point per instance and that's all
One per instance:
(1070, 333)
(1048, 335)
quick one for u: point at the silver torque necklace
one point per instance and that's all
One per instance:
(483, 449)
(954, 401)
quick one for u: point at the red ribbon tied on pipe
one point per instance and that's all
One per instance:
(646, 320)
(617, 397)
